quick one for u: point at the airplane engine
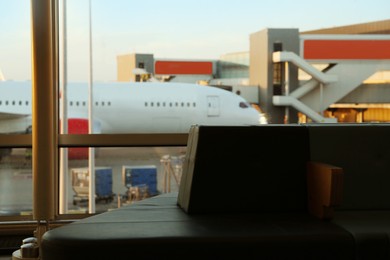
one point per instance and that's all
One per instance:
(77, 126)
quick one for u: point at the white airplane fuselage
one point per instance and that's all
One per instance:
(133, 107)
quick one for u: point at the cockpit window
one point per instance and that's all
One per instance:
(244, 105)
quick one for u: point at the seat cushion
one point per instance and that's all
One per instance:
(156, 228)
(370, 229)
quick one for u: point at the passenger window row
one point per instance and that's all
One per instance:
(84, 103)
(170, 104)
(13, 103)
(71, 103)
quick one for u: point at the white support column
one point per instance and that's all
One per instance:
(64, 175)
(91, 161)
(286, 91)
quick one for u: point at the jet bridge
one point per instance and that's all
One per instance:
(349, 60)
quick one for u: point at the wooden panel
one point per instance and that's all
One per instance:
(325, 189)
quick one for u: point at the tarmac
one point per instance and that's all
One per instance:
(16, 178)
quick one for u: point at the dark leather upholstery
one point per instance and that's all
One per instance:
(363, 151)
(249, 204)
(156, 228)
(248, 169)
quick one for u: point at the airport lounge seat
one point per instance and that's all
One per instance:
(363, 152)
(252, 169)
(247, 192)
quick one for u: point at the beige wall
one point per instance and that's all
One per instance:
(125, 64)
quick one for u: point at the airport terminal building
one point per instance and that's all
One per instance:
(258, 77)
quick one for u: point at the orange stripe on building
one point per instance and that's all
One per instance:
(183, 67)
(346, 49)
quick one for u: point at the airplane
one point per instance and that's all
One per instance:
(132, 107)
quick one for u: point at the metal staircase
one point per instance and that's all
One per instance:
(325, 88)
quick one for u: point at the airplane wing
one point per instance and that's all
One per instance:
(5, 115)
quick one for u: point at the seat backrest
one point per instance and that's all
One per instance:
(245, 169)
(363, 152)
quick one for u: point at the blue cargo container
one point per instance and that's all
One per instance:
(139, 176)
(103, 184)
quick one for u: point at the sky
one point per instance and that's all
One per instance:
(171, 29)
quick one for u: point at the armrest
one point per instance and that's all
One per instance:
(324, 188)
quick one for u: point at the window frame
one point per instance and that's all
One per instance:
(45, 105)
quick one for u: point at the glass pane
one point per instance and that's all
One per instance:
(124, 62)
(100, 73)
(15, 106)
(15, 67)
(16, 182)
(122, 176)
